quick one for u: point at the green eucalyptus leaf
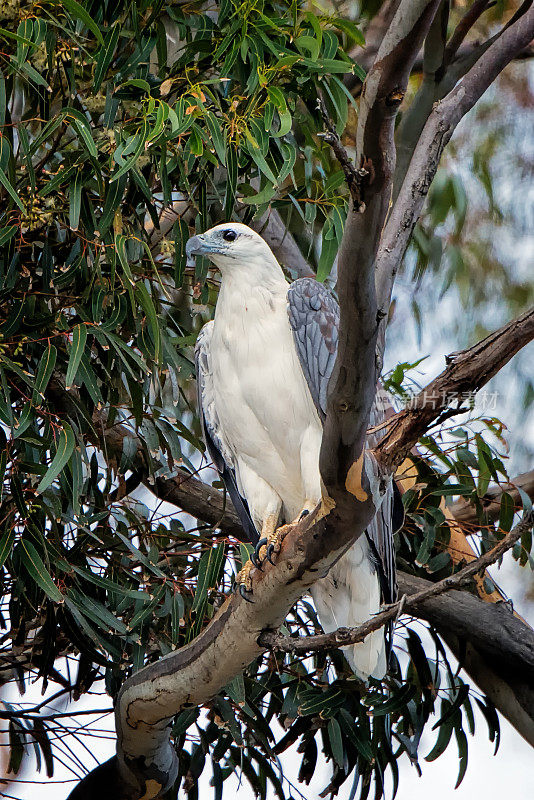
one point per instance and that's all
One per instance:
(37, 570)
(11, 191)
(44, 372)
(75, 200)
(105, 55)
(6, 546)
(81, 14)
(64, 448)
(79, 338)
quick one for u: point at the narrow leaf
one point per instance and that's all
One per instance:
(65, 446)
(10, 190)
(75, 200)
(37, 570)
(79, 338)
(6, 545)
(336, 741)
(7, 233)
(105, 55)
(46, 367)
(79, 13)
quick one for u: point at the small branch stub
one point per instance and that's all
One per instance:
(354, 176)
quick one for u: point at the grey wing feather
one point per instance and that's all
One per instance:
(314, 317)
(219, 452)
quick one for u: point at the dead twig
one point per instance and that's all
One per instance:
(353, 175)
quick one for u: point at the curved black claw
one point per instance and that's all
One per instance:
(269, 554)
(244, 593)
(255, 561)
(304, 514)
(255, 557)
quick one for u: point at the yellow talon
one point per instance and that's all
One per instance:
(243, 579)
(275, 539)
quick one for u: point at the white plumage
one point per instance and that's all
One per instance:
(261, 419)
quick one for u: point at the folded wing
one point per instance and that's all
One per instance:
(314, 317)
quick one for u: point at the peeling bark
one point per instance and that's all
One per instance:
(353, 382)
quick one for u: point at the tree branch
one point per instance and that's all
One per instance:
(436, 134)
(472, 14)
(467, 371)
(353, 176)
(346, 636)
(373, 37)
(414, 118)
(200, 500)
(353, 382)
(211, 506)
(235, 636)
(282, 243)
(270, 225)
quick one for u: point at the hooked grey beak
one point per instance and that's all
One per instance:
(199, 246)
(194, 247)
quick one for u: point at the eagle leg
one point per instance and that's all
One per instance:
(243, 581)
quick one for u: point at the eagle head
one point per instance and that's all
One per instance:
(229, 246)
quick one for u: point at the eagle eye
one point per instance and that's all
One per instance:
(229, 236)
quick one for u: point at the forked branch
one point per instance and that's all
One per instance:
(436, 134)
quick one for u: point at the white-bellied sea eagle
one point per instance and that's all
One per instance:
(263, 366)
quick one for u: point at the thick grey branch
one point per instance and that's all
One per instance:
(413, 120)
(282, 243)
(271, 227)
(373, 37)
(210, 505)
(353, 382)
